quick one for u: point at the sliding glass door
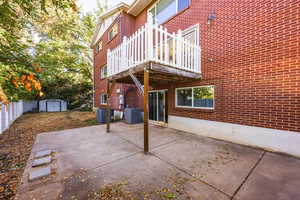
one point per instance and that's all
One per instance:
(157, 106)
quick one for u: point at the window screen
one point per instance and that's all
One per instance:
(165, 9)
(183, 4)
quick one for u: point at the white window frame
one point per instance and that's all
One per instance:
(195, 27)
(111, 29)
(102, 75)
(99, 47)
(102, 99)
(155, 9)
(192, 107)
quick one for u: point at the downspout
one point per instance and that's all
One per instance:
(122, 85)
(93, 78)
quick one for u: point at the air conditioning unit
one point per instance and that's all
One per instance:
(133, 115)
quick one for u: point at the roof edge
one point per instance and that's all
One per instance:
(119, 7)
(138, 6)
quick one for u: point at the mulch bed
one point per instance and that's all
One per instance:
(17, 141)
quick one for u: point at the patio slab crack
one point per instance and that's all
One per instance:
(191, 175)
(249, 174)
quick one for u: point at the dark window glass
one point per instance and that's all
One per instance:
(153, 106)
(184, 97)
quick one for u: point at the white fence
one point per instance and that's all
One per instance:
(154, 43)
(9, 114)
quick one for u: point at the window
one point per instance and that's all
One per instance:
(113, 32)
(103, 99)
(195, 97)
(103, 72)
(165, 9)
(192, 34)
(98, 47)
(183, 4)
(184, 97)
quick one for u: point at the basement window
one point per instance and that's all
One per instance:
(165, 9)
(195, 97)
(103, 99)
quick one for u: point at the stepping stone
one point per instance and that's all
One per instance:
(39, 173)
(42, 153)
(41, 161)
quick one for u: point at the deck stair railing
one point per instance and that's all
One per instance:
(137, 82)
(154, 43)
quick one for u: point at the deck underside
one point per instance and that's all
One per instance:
(159, 74)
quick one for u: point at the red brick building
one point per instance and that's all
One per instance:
(244, 84)
(123, 95)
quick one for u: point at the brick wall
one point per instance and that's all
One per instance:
(255, 51)
(126, 28)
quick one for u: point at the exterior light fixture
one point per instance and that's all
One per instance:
(211, 17)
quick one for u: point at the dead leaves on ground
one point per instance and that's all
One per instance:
(16, 143)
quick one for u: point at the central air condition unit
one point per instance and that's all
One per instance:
(133, 115)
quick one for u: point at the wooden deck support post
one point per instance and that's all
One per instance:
(108, 106)
(109, 88)
(146, 111)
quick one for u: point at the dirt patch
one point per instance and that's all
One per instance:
(16, 143)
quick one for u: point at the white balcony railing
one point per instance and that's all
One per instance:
(154, 43)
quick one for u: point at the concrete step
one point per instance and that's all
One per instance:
(41, 161)
(39, 173)
(41, 154)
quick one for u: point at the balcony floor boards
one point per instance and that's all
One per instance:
(159, 74)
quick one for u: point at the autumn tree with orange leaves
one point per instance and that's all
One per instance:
(19, 71)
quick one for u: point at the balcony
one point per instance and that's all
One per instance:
(153, 46)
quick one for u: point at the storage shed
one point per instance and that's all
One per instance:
(52, 105)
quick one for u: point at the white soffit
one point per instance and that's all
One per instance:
(138, 6)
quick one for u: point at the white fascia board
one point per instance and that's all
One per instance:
(138, 6)
(117, 8)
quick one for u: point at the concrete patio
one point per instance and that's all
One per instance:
(180, 166)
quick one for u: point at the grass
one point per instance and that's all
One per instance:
(17, 141)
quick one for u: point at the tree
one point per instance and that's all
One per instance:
(18, 72)
(67, 61)
(204, 92)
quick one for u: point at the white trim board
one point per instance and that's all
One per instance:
(266, 138)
